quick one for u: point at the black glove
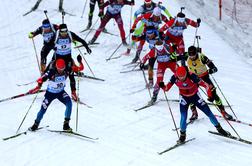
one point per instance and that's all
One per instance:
(88, 50)
(132, 30)
(100, 14)
(198, 21)
(132, 2)
(141, 66)
(161, 84)
(79, 58)
(213, 70)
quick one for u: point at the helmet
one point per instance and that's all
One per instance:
(181, 15)
(181, 71)
(60, 64)
(147, 1)
(157, 11)
(46, 23)
(192, 50)
(150, 30)
(63, 27)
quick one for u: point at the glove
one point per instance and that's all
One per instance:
(40, 81)
(173, 56)
(132, 30)
(101, 14)
(30, 35)
(88, 50)
(210, 95)
(74, 96)
(75, 43)
(141, 66)
(161, 84)
(35, 90)
(198, 21)
(213, 70)
(79, 58)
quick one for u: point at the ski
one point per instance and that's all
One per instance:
(73, 133)
(24, 84)
(25, 132)
(89, 77)
(20, 95)
(235, 120)
(33, 8)
(137, 91)
(82, 103)
(145, 106)
(175, 146)
(231, 137)
(177, 100)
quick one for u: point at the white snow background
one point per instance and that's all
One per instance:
(125, 137)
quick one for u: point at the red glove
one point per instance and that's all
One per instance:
(40, 80)
(35, 90)
(74, 96)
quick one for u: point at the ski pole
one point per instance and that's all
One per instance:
(36, 54)
(63, 16)
(224, 96)
(27, 113)
(83, 10)
(78, 100)
(224, 117)
(61, 6)
(109, 58)
(86, 62)
(131, 9)
(196, 31)
(166, 98)
(145, 79)
(91, 29)
(20, 95)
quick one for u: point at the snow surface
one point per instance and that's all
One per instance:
(125, 137)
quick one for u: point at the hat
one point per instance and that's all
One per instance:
(63, 27)
(181, 71)
(192, 50)
(60, 64)
(46, 23)
(181, 15)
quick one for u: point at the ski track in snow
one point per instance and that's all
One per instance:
(126, 138)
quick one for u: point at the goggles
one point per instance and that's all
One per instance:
(181, 19)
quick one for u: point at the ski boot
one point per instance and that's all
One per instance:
(136, 57)
(125, 43)
(224, 113)
(153, 100)
(34, 127)
(222, 131)
(150, 84)
(182, 137)
(66, 126)
(89, 25)
(92, 41)
(194, 113)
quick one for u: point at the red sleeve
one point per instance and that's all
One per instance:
(167, 25)
(149, 55)
(168, 86)
(207, 87)
(191, 22)
(136, 21)
(164, 18)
